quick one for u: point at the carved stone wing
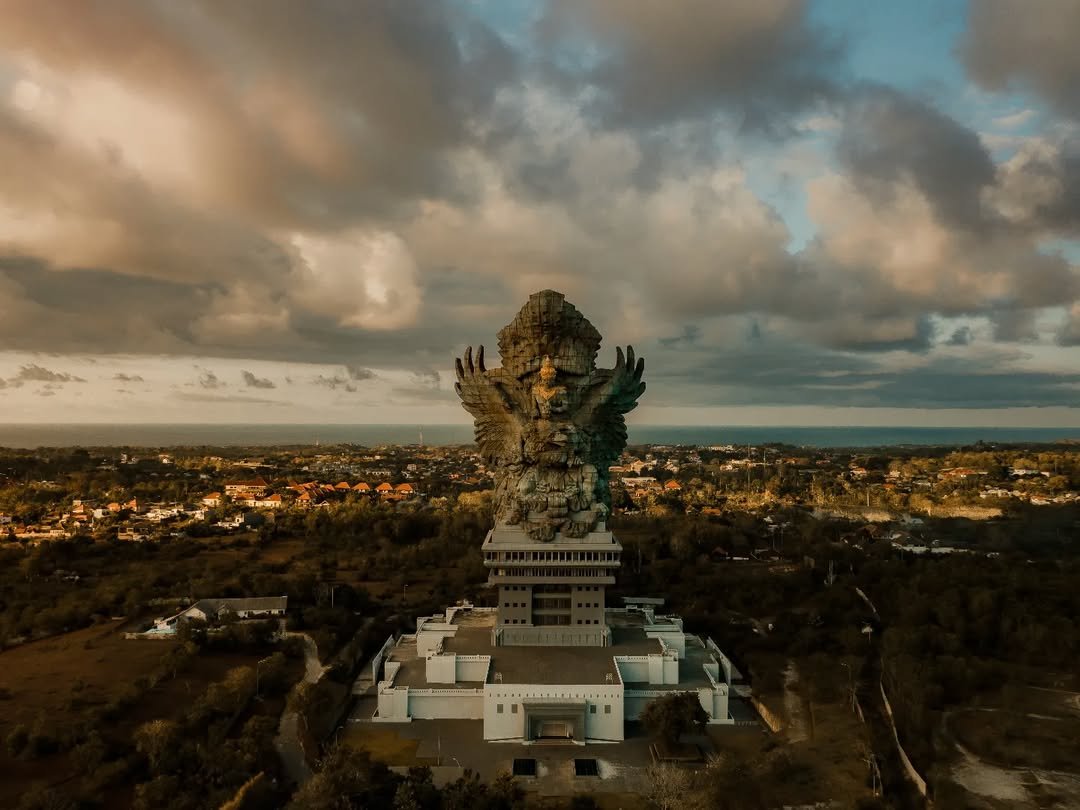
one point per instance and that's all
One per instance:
(498, 423)
(609, 395)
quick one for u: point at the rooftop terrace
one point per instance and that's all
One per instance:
(571, 665)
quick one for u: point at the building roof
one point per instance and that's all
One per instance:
(260, 604)
(546, 665)
(257, 482)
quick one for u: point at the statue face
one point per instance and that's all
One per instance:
(548, 371)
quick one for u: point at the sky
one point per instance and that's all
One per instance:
(831, 212)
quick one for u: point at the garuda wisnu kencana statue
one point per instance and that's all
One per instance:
(549, 422)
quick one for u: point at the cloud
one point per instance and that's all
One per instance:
(195, 396)
(1015, 44)
(36, 373)
(658, 62)
(1015, 119)
(359, 373)
(334, 383)
(1038, 188)
(962, 336)
(209, 380)
(1069, 334)
(889, 137)
(121, 377)
(251, 381)
(427, 379)
(390, 180)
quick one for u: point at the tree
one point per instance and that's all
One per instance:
(670, 787)
(669, 717)
(417, 792)
(157, 741)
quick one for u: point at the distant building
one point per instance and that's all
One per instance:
(264, 501)
(256, 486)
(212, 501)
(215, 610)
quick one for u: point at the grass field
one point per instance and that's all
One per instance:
(1019, 740)
(62, 677)
(384, 745)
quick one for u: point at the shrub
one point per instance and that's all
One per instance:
(17, 740)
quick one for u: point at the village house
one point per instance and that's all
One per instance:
(264, 501)
(237, 489)
(215, 610)
(212, 501)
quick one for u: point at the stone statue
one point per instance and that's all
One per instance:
(549, 421)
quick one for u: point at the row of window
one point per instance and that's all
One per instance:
(514, 708)
(554, 572)
(560, 590)
(552, 604)
(538, 620)
(551, 620)
(551, 556)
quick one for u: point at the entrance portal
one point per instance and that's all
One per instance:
(555, 721)
(555, 730)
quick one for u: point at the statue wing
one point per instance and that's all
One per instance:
(498, 423)
(609, 395)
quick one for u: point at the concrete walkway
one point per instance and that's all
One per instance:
(287, 741)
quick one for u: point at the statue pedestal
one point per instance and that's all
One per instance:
(551, 594)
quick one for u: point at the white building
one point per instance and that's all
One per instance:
(451, 668)
(208, 610)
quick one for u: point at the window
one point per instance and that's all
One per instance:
(513, 708)
(498, 708)
(607, 708)
(579, 621)
(506, 604)
(592, 708)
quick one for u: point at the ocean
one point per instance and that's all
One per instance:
(165, 435)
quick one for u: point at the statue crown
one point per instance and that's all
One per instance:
(549, 326)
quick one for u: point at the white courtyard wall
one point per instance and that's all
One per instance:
(377, 660)
(430, 638)
(473, 667)
(394, 704)
(441, 668)
(663, 670)
(713, 701)
(508, 724)
(633, 668)
(446, 704)
(672, 636)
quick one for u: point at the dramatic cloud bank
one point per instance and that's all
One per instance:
(272, 201)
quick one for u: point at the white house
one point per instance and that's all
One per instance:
(210, 610)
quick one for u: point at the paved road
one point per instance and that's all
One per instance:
(287, 741)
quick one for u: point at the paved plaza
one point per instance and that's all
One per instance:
(452, 746)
